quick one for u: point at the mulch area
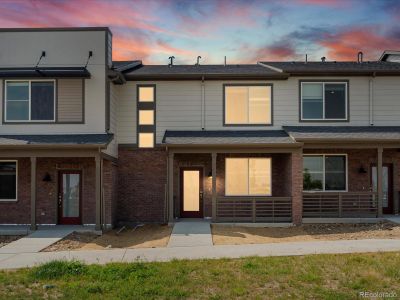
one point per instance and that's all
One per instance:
(6, 239)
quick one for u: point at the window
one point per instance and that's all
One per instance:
(324, 101)
(248, 176)
(8, 180)
(29, 101)
(325, 172)
(248, 105)
(146, 105)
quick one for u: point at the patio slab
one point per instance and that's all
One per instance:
(191, 233)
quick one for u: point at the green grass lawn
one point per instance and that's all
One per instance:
(303, 277)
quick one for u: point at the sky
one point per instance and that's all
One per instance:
(245, 31)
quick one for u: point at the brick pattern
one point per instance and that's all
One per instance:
(296, 184)
(142, 179)
(110, 183)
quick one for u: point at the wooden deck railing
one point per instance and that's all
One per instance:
(254, 209)
(339, 205)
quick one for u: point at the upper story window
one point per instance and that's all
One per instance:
(146, 105)
(324, 101)
(248, 105)
(30, 101)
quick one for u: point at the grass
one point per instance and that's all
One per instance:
(301, 277)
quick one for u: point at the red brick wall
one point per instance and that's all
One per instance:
(110, 184)
(296, 184)
(142, 178)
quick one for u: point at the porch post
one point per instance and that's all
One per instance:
(297, 186)
(98, 191)
(214, 185)
(170, 186)
(33, 193)
(379, 181)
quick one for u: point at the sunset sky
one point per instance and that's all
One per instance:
(246, 31)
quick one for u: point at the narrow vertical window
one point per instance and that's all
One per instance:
(146, 116)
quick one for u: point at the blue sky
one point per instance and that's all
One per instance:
(244, 31)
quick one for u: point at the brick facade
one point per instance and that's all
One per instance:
(110, 192)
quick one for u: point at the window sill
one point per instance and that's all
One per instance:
(8, 200)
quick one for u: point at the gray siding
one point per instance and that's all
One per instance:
(70, 101)
(387, 101)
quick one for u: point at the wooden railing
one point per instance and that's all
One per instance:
(340, 205)
(254, 209)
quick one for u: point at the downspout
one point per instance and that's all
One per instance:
(203, 104)
(166, 200)
(371, 100)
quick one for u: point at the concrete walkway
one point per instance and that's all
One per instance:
(191, 233)
(20, 260)
(37, 240)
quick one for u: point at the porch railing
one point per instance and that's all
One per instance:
(254, 209)
(340, 205)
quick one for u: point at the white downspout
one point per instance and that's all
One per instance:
(203, 105)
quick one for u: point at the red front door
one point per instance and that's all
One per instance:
(69, 197)
(191, 193)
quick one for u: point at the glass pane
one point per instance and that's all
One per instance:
(146, 94)
(71, 195)
(385, 186)
(260, 176)
(146, 117)
(312, 100)
(146, 140)
(236, 181)
(18, 90)
(260, 105)
(17, 111)
(335, 101)
(8, 180)
(191, 190)
(335, 173)
(313, 173)
(42, 100)
(236, 105)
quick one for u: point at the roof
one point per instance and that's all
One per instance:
(48, 29)
(387, 53)
(335, 68)
(56, 139)
(51, 72)
(123, 65)
(226, 137)
(252, 71)
(344, 133)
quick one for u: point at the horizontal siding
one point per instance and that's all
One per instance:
(386, 101)
(70, 100)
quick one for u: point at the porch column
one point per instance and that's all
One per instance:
(297, 186)
(170, 186)
(214, 185)
(98, 191)
(33, 193)
(379, 168)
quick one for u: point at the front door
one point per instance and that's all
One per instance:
(387, 178)
(191, 193)
(69, 197)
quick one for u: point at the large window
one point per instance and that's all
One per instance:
(325, 172)
(246, 105)
(8, 180)
(324, 101)
(248, 176)
(29, 101)
(146, 106)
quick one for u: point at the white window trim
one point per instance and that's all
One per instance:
(248, 179)
(248, 103)
(29, 100)
(323, 173)
(16, 182)
(323, 100)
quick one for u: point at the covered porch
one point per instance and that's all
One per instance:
(219, 162)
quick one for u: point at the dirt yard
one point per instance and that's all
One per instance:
(234, 235)
(147, 236)
(6, 239)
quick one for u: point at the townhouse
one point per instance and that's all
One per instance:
(88, 140)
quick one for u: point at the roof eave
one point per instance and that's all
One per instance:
(130, 77)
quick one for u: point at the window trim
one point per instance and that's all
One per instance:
(146, 106)
(248, 178)
(323, 173)
(16, 180)
(247, 85)
(324, 120)
(29, 121)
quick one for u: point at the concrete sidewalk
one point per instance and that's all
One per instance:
(14, 261)
(191, 233)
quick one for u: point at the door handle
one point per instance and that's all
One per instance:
(59, 199)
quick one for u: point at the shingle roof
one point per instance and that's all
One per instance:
(344, 133)
(196, 72)
(124, 65)
(330, 67)
(56, 139)
(226, 137)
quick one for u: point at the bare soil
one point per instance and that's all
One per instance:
(6, 239)
(235, 235)
(147, 236)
